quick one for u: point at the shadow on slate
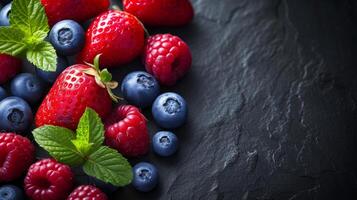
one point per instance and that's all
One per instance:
(272, 100)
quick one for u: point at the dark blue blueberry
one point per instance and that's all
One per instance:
(4, 15)
(15, 115)
(165, 143)
(50, 77)
(169, 110)
(146, 177)
(28, 87)
(3, 93)
(67, 37)
(11, 192)
(140, 88)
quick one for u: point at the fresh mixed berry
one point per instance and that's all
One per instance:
(140, 88)
(64, 95)
(146, 176)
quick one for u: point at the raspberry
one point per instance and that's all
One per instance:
(48, 180)
(87, 192)
(126, 131)
(167, 57)
(16, 155)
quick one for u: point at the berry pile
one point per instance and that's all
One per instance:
(68, 100)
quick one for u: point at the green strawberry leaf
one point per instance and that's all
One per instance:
(43, 56)
(11, 41)
(109, 166)
(29, 16)
(105, 76)
(57, 141)
(90, 131)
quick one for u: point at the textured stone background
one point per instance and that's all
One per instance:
(272, 98)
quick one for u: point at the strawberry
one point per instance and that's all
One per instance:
(78, 87)
(118, 36)
(160, 12)
(9, 67)
(78, 10)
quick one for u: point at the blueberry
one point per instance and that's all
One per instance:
(169, 110)
(67, 37)
(15, 115)
(4, 15)
(140, 88)
(11, 192)
(3, 93)
(146, 177)
(28, 87)
(50, 77)
(165, 143)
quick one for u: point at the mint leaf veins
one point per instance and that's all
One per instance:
(85, 147)
(26, 33)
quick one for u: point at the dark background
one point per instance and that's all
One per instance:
(272, 98)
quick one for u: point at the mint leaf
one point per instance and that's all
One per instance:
(109, 166)
(90, 129)
(43, 56)
(11, 41)
(57, 141)
(29, 16)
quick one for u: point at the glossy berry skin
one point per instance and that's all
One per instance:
(11, 192)
(50, 77)
(9, 67)
(16, 155)
(165, 143)
(28, 87)
(15, 115)
(160, 12)
(169, 110)
(4, 15)
(68, 98)
(48, 180)
(126, 131)
(67, 37)
(140, 88)
(79, 10)
(117, 35)
(167, 57)
(3, 93)
(87, 192)
(146, 177)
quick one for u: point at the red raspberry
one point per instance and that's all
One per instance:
(167, 57)
(16, 155)
(126, 131)
(48, 180)
(9, 67)
(87, 192)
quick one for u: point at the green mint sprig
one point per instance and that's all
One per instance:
(85, 147)
(26, 33)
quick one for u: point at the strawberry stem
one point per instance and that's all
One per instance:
(103, 78)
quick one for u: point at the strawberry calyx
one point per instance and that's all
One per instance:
(103, 78)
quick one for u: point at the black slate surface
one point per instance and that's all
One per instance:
(272, 100)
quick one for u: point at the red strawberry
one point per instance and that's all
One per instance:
(160, 12)
(118, 36)
(78, 10)
(48, 180)
(77, 87)
(87, 192)
(126, 131)
(167, 57)
(9, 67)
(16, 155)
